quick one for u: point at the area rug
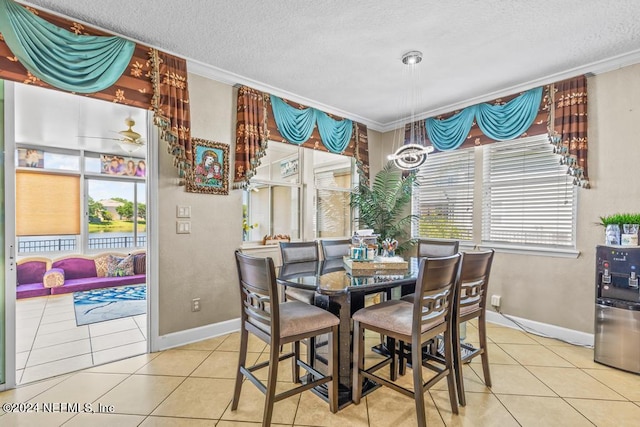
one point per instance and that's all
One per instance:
(100, 305)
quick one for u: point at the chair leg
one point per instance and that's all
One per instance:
(311, 351)
(358, 362)
(448, 357)
(393, 353)
(418, 384)
(271, 385)
(295, 373)
(242, 360)
(334, 369)
(403, 349)
(457, 363)
(482, 331)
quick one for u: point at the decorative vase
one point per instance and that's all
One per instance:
(612, 234)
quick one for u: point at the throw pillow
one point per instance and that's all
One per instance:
(101, 265)
(53, 278)
(117, 267)
(139, 264)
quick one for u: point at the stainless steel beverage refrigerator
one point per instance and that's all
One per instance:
(617, 317)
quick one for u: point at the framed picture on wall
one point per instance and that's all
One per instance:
(30, 158)
(288, 167)
(210, 172)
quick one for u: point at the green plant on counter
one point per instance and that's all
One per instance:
(383, 206)
(619, 219)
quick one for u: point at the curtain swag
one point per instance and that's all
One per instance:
(69, 61)
(499, 122)
(296, 125)
(66, 55)
(262, 117)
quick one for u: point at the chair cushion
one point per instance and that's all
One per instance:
(395, 316)
(469, 309)
(303, 295)
(299, 318)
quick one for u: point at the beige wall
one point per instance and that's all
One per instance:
(557, 291)
(200, 264)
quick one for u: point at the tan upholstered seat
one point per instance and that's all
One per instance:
(276, 324)
(417, 323)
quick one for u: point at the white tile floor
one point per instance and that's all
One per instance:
(49, 343)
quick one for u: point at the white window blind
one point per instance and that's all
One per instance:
(528, 198)
(444, 200)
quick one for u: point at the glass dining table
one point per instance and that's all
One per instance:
(341, 292)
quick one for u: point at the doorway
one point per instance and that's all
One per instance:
(88, 236)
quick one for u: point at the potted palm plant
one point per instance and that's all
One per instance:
(383, 206)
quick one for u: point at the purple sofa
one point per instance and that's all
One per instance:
(78, 273)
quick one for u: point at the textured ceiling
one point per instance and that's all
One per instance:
(344, 56)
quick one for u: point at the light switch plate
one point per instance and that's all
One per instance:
(183, 211)
(183, 227)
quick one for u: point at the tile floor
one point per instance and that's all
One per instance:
(49, 343)
(536, 382)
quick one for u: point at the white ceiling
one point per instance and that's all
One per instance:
(344, 56)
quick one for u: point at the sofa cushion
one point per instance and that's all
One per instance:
(31, 290)
(31, 272)
(53, 278)
(140, 263)
(76, 268)
(118, 267)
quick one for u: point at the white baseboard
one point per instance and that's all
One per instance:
(553, 331)
(189, 336)
(177, 339)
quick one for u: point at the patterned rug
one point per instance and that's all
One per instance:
(99, 305)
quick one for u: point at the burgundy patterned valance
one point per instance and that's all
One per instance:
(148, 70)
(256, 124)
(568, 127)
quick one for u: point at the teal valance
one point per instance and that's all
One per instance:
(297, 125)
(499, 122)
(65, 60)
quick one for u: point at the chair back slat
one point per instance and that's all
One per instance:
(475, 269)
(256, 277)
(334, 249)
(299, 252)
(434, 290)
(437, 247)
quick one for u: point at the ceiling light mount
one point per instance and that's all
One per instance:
(412, 57)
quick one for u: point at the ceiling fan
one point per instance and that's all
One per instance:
(129, 140)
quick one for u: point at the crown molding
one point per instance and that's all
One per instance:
(594, 68)
(223, 76)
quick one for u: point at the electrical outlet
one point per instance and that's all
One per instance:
(495, 301)
(195, 304)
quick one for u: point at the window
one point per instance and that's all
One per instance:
(528, 198)
(444, 200)
(333, 183)
(116, 214)
(291, 181)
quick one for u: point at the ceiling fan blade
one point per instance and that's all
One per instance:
(98, 137)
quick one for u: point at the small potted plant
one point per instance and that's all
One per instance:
(618, 222)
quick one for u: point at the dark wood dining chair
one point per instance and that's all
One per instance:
(294, 253)
(470, 301)
(437, 247)
(417, 323)
(335, 249)
(277, 324)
